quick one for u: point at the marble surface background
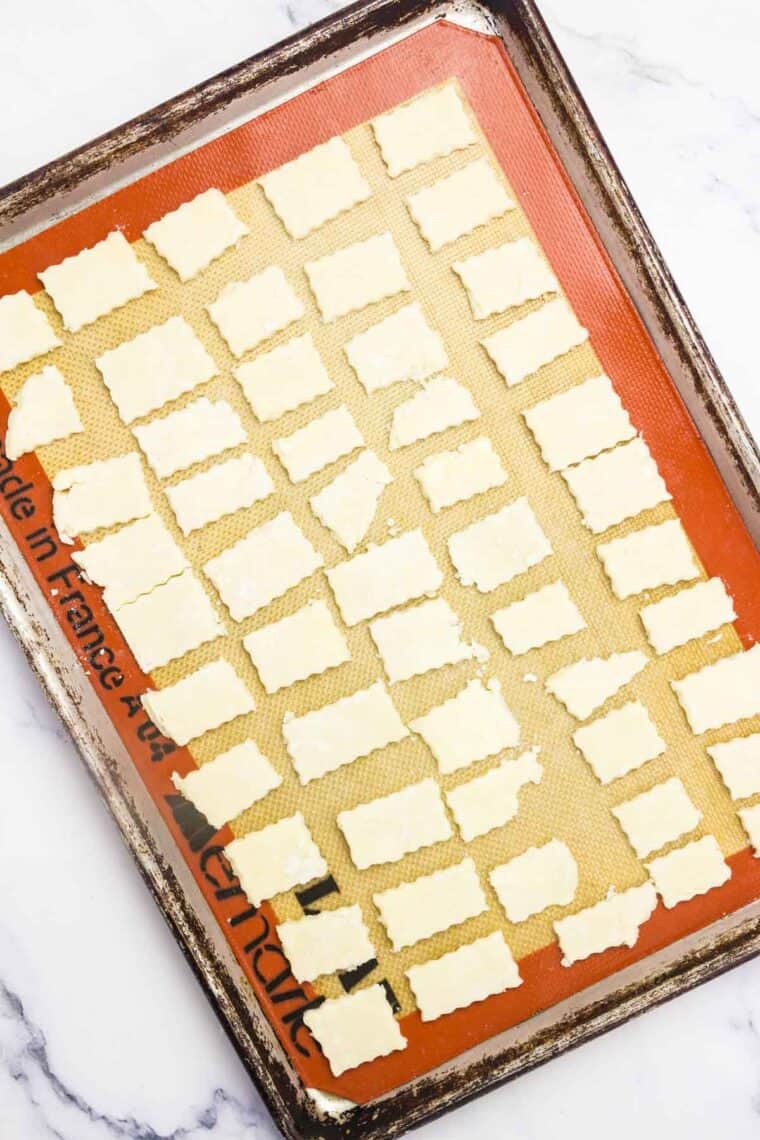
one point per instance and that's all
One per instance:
(103, 1030)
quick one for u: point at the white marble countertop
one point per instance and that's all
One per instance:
(103, 1030)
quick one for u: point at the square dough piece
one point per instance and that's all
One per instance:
(318, 444)
(194, 433)
(750, 819)
(469, 974)
(454, 476)
(262, 566)
(356, 276)
(96, 281)
(323, 943)
(302, 645)
(539, 878)
(432, 903)
(459, 203)
(43, 411)
(738, 762)
(580, 423)
(546, 615)
(354, 1029)
(526, 345)
(337, 734)
(228, 784)
(614, 921)
(315, 187)
(495, 549)
(585, 685)
(385, 576)
(196, 233)
(348, 505)
(223, 489)
(491, 800)
(168, 622)
(441, 404)
(655, 556)
(275, 859)
(690, 613)
(402, 346)
(688, 871)
(471, 726)
(132, 560)
(155, 367)
(430, 126)
(414, 641)
(616, 485)
(25, 331)
(99, 494)
(283, 379)
(205, 699)
(248, 312)
(619, 742)
(504, 277)
(386, 829)
(721, 693)
(657, 817)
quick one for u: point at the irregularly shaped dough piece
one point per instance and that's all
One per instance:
(223, 489)
(416, 640)
(319, 443)
(721, 693)
(619, 742)
(526, 345)
(580, 423)
(196, 233)
(25, 331)
(354, 1029)
(168, 622)
(459, 203)
(155, 367)
(504, 277)
(284, 378)
(585, 685)
(298, 646)
(315, 187)
(474, 724)
(495, 549)
(132, 561)
(738, 762)
(248, 312)
(688, 871)
(545, 615)
(466, 975)
(96, 281)
(230, 783)
(657, 816)
(750, 818)
(43, 411)
(432, 903)
(386, 829)
(428, 127)
(690, 613)
(491, 800)
(540, 877)
(99, 494)
(275, 859)
(347, 506)
(655, 556)
(356, 276)
(614, 921)
(453, 476)
(205, 699)
(385, 576)
(402, 346)
(262, 566)
(441, 404)
(194, 433)
(323, 943)
(616, 485)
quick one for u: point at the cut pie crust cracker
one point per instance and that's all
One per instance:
(196, 233)
(454, 476)
(738, 762)
(658, 816)
(654, 556)
(750, 819)
(615, 921)
(275, 859)
(248, 312)
(495, 549)
(196, 432)
(528, 344)
(585, 685)
(580, 423)
(688, 871)
(471, 973)
(43, 412)
(428, 127)
(619, 742)
(284, 378)
(504, 277)
(355, 1029)
(471, 726)
(96, 281)
(689, 614)
(25, 331)
(416, 640)
(539, 878)
(543, 616)
(172, 619)
(223, 787)
(721, 693)
(132, 560)
(384, 830)
(356, 276)
(385, 576)
(301, 645)
(430, 904)
(315, 187)
(347, 506)
(441, 404)
(223, 489)
(99, 494)
(319, 443)
(322, 943)
(459, 203)
(402, 346)
(490, 801)
(616, 485)
(205, 699)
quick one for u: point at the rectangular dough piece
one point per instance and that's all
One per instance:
(654, 556)
(337, 734)
(284, 378)
(428, 127)
(318, 444)
(25, 331)
(168, 622)
(402, 346)
(504, 277)
(322, 943)
(301, 645)
(385, 576)
(528, 344)
(454, 476)
(262, 566)
(721, 693)
(442, 403)
(194, 433)
(688, 871)
(750, 820)
(658, 816)
(614, 921)
(545, 615)
(585, 685)
(347, 506)
(495, 549)
(430, 904)
(223, 489)
(96, 281)
(616, 485)
(619, 742)
(471, 726)
(490, 801)
(211, 696)
(471, 973)
(689, 614)
(196, 233)
(99, 494)
(275, 859)
(580, 423)
(43, 412)
(132, 560)
(414, 641)
(459, 203)
(315, 187)
(738, 762)
(356, 276)
(386, 829)
(248, 312)
(230, 783)
(539, 878)
(355, 1029)
(146, 372)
